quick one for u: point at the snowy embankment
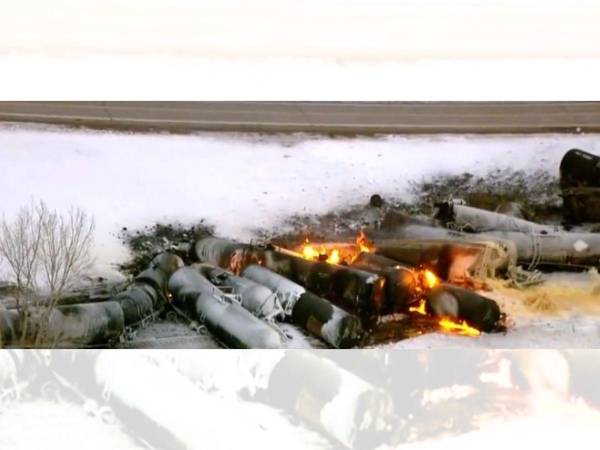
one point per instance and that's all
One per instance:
(239, 182)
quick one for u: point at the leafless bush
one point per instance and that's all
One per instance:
(46, 253)
(20, 244)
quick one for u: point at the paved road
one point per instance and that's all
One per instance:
(318, 117)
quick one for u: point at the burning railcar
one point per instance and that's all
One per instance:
(241, 293)
(393, 277)
(377, 290)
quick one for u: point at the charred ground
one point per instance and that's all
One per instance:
(537, 193)
(151, 240)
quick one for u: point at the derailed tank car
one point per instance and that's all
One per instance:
(580, 185)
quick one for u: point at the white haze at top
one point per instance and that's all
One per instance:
(289, 50)
(346, 29)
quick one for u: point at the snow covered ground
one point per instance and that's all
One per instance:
(206, 399)
(238, 182)
(575, 427)
(241, 182)
(546, 332)
(63, 426)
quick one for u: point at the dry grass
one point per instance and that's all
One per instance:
(554, 298)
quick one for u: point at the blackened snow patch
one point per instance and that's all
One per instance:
(537, 192)
(146, 243)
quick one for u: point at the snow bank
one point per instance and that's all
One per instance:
(238, 182)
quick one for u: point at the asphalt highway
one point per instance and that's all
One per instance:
(316, 117)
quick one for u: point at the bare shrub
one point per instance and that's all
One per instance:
(46, 253)
(20, 243)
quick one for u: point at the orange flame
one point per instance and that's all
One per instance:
(334, 257)
(347, 253)
(460, 327)
(425, 280)
(421, 309)
(310, 252)
(430, 279)
(363, 243)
